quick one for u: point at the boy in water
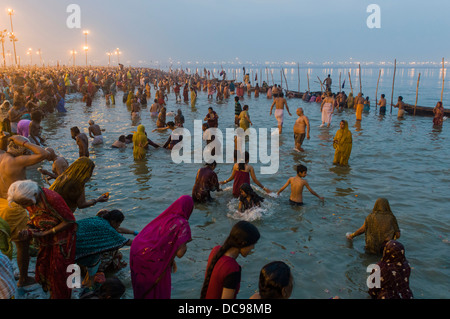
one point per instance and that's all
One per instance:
(297, 183)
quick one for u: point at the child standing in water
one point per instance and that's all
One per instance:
(297, 183)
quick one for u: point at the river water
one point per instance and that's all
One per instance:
(406, 161)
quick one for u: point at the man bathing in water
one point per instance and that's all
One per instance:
(279, 103)
(58, 167)
(82, 141)
(95, 132)
(297, 183)
(299, 129)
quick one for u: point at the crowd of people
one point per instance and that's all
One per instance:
(43, 217)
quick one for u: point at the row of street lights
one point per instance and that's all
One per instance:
(13, 39)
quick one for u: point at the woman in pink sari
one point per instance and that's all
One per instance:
(154, 249)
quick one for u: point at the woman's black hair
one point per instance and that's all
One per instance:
(111, 215)
(243, 234)
(242, 165)
(273, 278)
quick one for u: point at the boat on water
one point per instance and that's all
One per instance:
(423, 110)
(299, 95)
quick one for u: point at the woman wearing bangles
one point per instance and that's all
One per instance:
(52, 223)
(379, 227)
(241, 175)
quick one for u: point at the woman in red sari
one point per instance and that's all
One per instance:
(52, 223)
(438, 111)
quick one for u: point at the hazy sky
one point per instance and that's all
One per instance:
(249, 30)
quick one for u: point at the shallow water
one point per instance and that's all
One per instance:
(407, 161)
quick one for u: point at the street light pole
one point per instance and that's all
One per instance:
(2, 36)
(86, 32)
(13, 38)
(73, 52)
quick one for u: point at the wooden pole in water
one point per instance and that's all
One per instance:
(393, 80)
(376, 92)
(350, 80)
(360, 85)
(298, 76)
(321, 86)
(271, 72)
(307, 75)
(417, 94)
(285, 80)
(281, 74)
(443, 79)
(339, 82)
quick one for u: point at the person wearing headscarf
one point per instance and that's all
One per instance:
(153, 251)
(71, 184)
(379, 226)
(140, 143)
(248, 198)
(438, 112)
(342, 143)
(205, 182)
(96, 236)
(394, 274)
(5, 239)
(53, 225)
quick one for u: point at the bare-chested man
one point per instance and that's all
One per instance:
(13, 165)
(297, 183)
(14, 115)
(301, 128)
(382, 104)
(35, 128)
(82, 141)
(95, 132)
(401, 107)
(59, 165)
(279, 103)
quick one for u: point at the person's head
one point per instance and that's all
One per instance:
(74, 131)
(51, 154)
(246, 159)
(210, 110)
(300, 111)
(91, 122)
(243, 237)
(302, 170)
(400, 98)
(439, 104)
(276, 281)
(36, 116)
(245, 108)
(343, 124)
(382, 206)
(329, 94)
(211, 165)
(112, 288)
(24, 193)
(205, 126)
(122, 138)
(236, 98)
(16, 150)
(179, 112)
(171, 125)
(382, 96)
(394, 253)
(115, 217)
(246, 190)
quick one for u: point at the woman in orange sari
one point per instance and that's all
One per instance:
(51, 223)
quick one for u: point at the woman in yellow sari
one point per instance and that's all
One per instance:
(244, 119)
(71, 184)
(140, 143)
(342, 144)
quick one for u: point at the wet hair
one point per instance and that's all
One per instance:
(273, 278)
(75, 129)
(243, 234)
(112, 288)
(236, 98)
(245, 107)
(36, 116)
(247, 158)
(122, 138)
(382, 95)
(111, 215)
(400, 98)
(170, 123)
(301, 168)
